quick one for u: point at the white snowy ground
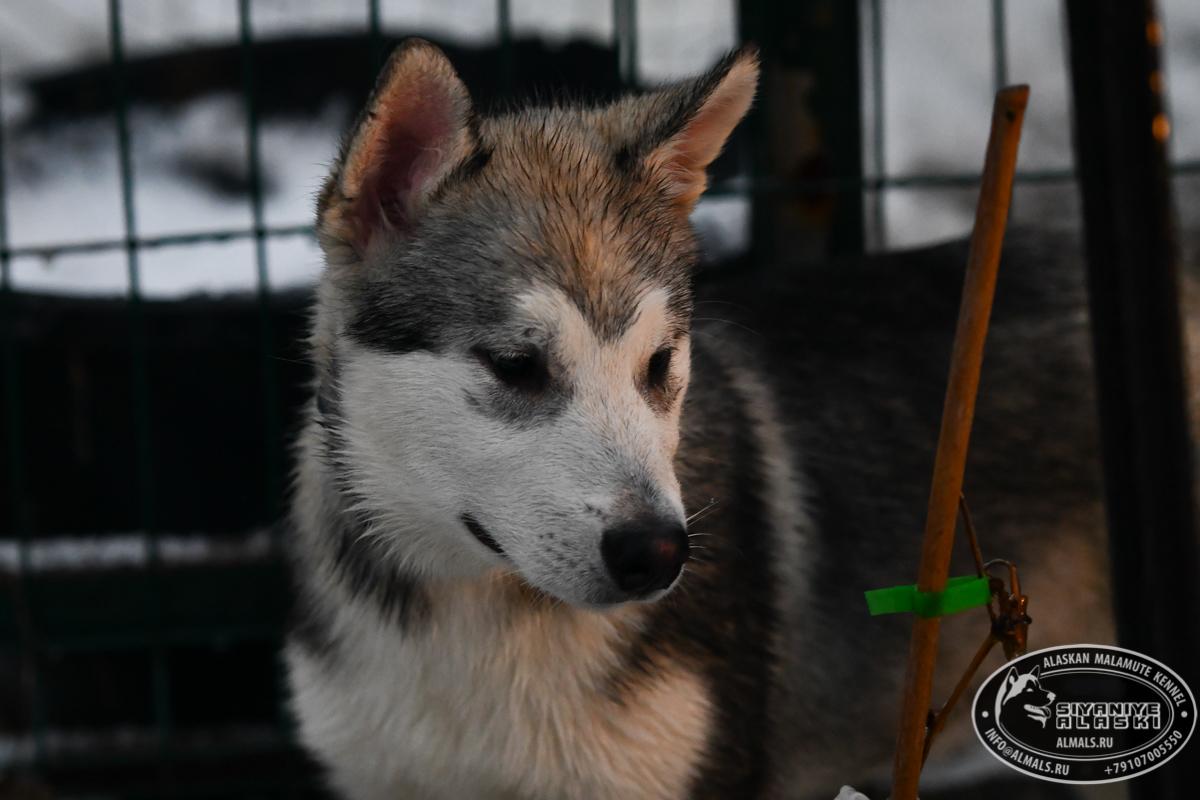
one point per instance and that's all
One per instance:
(63, 187)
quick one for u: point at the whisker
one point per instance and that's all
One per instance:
(712, 502)
(731, 322)
(700, 513)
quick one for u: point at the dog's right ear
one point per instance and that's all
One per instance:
(678, 131)
(415, 130)
(1011, 678)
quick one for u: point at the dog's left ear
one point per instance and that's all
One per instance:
(690, 122)
(1036, 672)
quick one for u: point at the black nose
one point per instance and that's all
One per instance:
(643, 557)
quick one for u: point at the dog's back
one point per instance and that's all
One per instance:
(846, 363)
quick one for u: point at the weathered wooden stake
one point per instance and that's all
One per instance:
(991, 214)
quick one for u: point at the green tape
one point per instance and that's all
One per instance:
(961, 593)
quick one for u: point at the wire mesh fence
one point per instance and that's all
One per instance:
(162, 627)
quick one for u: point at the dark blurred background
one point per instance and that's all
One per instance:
(158, 161)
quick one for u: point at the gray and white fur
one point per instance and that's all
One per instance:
(568, 527)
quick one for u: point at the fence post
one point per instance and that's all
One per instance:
(1121, 130)
(806, 130)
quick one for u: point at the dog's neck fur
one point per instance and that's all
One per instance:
(488, 646)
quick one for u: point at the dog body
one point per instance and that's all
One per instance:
(521, 407)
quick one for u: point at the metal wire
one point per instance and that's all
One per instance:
(268, 372)
(138, 347)
(625, 32)
(504, 35)
(23, 611)
(999, 46)
(375, 35)
(739, 187)
(52, 251)
(878, 211)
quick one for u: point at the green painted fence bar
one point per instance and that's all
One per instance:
(272, 426)
(16, 587)
(141, 387)
(999, 46)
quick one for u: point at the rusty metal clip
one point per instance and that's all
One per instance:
(1010, 620)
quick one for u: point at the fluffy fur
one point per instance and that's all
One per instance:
(510, 361)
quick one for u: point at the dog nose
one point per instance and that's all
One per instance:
(643, 557)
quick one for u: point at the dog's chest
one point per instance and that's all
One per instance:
(486, 701)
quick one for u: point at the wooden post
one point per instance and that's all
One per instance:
(991, 214)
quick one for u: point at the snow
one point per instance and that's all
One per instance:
(64, 182)
(116, 551)
(23, 750)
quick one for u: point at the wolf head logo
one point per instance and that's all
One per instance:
(1022, 697)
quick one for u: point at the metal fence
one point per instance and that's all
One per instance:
(170, 615)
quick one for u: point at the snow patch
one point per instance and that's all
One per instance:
(91, 552)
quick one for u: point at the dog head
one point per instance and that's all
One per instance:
(504, 320)
(1023, 695)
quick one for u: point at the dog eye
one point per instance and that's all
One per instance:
(658, 368)
(525, 370)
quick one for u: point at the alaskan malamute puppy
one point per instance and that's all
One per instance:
(564, 530)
